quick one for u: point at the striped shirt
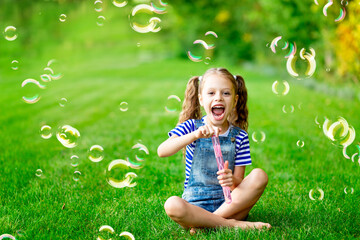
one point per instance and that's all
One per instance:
(242, 147)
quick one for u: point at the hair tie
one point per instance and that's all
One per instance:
(234, 77)
(200, 77)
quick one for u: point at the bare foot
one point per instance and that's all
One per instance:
(251, 225)
(193, 231)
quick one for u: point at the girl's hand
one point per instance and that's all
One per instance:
(207, 131)
(225, 176)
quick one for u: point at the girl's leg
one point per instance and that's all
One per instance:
(244, 196)
(188, 215)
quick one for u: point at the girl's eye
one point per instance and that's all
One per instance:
(227, 93)
(210, 93)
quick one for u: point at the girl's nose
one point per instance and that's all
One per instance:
(218, 96)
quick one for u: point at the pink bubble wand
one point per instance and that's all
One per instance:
(220, 163)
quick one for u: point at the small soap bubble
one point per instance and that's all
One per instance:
(138, 44)
(62, 17)
(45, 77)
(68, 136)
(74, 160)
(45, 131)
(328, 69)
(119, 3)
(258, 137)
(100, 21)
(7, 236)
(96, 153)
(141, 19)
(127, 235)
(38, 173)
(10, 33)
(288, 109)
(139, 153)
(351, 190)
(76, 176)
(300, 143)
(20, 234)
(124, 106)
(98, 5)
(30, 82)
(284, 90)
(207, 60)
(173, 104)
(307, 69)
(62, 102)
(316, 196)
(106, 233)
(15, 65)
(339, 132)
(118, 175)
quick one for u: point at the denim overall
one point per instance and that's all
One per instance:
(203, 188)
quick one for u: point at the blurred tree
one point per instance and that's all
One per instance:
(347, 44)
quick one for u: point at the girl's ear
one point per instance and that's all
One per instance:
(236, 100)
(200, 99)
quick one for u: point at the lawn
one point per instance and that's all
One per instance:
(96, 79)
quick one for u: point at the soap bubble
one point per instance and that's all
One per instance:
(15, 65)
(118, 175)
(119, 3)
(258, 137)
(98, 5)
(288, 109)
(45, 77)
(139, 153)
(351, 190)
(124, 106)
(127, 235)
(96, 153)
(307, 57)
(300, 143)
(30, 82)
(39, 173)
(106, 233)
(10, 33)
(316, 197)
(76, 176)
(45, 131)
(62, 102)
(173, 103)
(68, 136)
(74, 160)
(159, 10)
(7, 236)
(141, 19)
(100, 21)
(62, 17)
(284, 91)
(339, 132)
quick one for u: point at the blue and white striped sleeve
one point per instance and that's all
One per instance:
(242, 149)
(183, 128)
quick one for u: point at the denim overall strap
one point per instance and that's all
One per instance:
(203, 183)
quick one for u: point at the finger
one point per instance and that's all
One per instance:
(226, 165)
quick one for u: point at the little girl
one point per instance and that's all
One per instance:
(223, 97)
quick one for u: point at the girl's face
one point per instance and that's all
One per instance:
(218, 99)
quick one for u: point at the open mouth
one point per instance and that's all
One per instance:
(218, 111)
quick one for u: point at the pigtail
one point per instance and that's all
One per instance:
(191, 105)
(240, 116)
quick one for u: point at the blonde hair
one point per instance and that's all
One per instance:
(191, 105)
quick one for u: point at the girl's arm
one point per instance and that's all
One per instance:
(173, 144)
(229, 179)
(238, 176)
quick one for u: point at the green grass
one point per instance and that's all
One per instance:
(97, 78)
